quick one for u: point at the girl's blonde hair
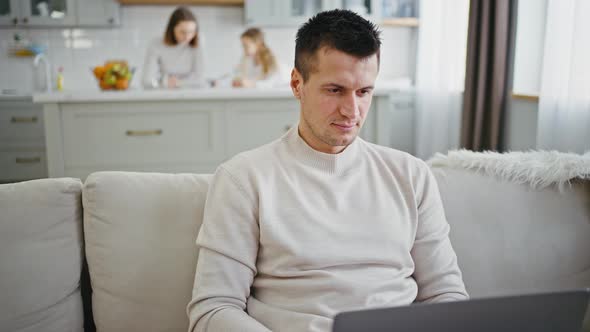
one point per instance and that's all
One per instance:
(263, 55)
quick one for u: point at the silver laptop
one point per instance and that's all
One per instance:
(548, 312)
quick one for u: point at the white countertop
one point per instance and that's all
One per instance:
(16, 98)
(178, 94)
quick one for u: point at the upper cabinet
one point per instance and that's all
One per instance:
(8, 12)
(47, 13)
(295, 12)
(286, 12)
(59, 13)
(400, 12)
(98, 13)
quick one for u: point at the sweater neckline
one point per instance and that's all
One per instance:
(332, 163)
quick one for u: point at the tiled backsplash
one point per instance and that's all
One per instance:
(78, 50)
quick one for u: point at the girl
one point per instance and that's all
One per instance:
(177, 59)
(258, 66)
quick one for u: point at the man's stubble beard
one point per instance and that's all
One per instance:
(325, 138)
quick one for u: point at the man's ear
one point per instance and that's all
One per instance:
(296, 83)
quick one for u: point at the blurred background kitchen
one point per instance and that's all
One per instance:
(476, 74)
(80, 34)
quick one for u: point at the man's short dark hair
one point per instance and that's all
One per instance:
(342, 30)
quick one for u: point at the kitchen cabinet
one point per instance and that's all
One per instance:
(59, 13)
(370, 9)
(22, 142)
(252, 124)
(262, 12)
(184, 2)
(47, 13)
(177, 131)
(296, 12)
(400, 122)
(8, 12)
(141, 136)
(98, 13)
(287, 12)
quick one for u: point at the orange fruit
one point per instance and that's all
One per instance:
(122, 84)
(105, 86)
(98, 72)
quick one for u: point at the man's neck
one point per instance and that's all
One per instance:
(316, 144)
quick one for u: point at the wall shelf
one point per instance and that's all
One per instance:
(524, 96)
(401, 21)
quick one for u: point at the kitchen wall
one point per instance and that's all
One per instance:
(77, 50)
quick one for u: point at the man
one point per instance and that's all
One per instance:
(320, 221)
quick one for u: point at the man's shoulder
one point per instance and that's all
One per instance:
(257, 160)
(395, 157)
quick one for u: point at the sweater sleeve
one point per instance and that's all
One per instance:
(196, 76)
(436, 270)
(150, 71)
(228, 242)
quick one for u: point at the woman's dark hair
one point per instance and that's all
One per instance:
(178, 15)
(342, 30)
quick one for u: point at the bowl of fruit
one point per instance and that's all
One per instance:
(113, 75)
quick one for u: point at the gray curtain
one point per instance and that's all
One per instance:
(488, 76)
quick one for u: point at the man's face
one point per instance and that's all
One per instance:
(335, 99)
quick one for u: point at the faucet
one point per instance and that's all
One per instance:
(42, 58)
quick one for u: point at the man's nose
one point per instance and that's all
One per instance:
(349, 106)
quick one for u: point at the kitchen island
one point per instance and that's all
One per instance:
(185, 130)
(22, 143)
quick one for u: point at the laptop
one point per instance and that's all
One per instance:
(548, 312)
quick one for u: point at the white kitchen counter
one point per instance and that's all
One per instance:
(188, 130)
(4, 97)
(179, 94)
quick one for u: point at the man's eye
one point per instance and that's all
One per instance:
(333, 90)
(364, 92)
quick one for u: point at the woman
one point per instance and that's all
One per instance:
(177, 60)
(258, 66)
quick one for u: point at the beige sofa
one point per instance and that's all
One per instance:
(137, 233)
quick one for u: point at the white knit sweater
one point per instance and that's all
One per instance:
(291, 236)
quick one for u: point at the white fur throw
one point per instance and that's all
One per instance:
(539, 169)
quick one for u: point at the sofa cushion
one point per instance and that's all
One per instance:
(510, 238)
(140, 231)
(41, 255)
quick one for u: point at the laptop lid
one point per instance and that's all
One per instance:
(548, 312)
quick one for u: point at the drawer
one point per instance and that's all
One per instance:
(139, 135)
(22, 165)
(21, 125)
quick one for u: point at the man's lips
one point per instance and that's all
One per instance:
(344, 125)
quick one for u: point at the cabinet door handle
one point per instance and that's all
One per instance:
(287, 128)
(111, 20)
(28, 160)
(23, 119)
(15, 21)
(25, 20)
(153, 132)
